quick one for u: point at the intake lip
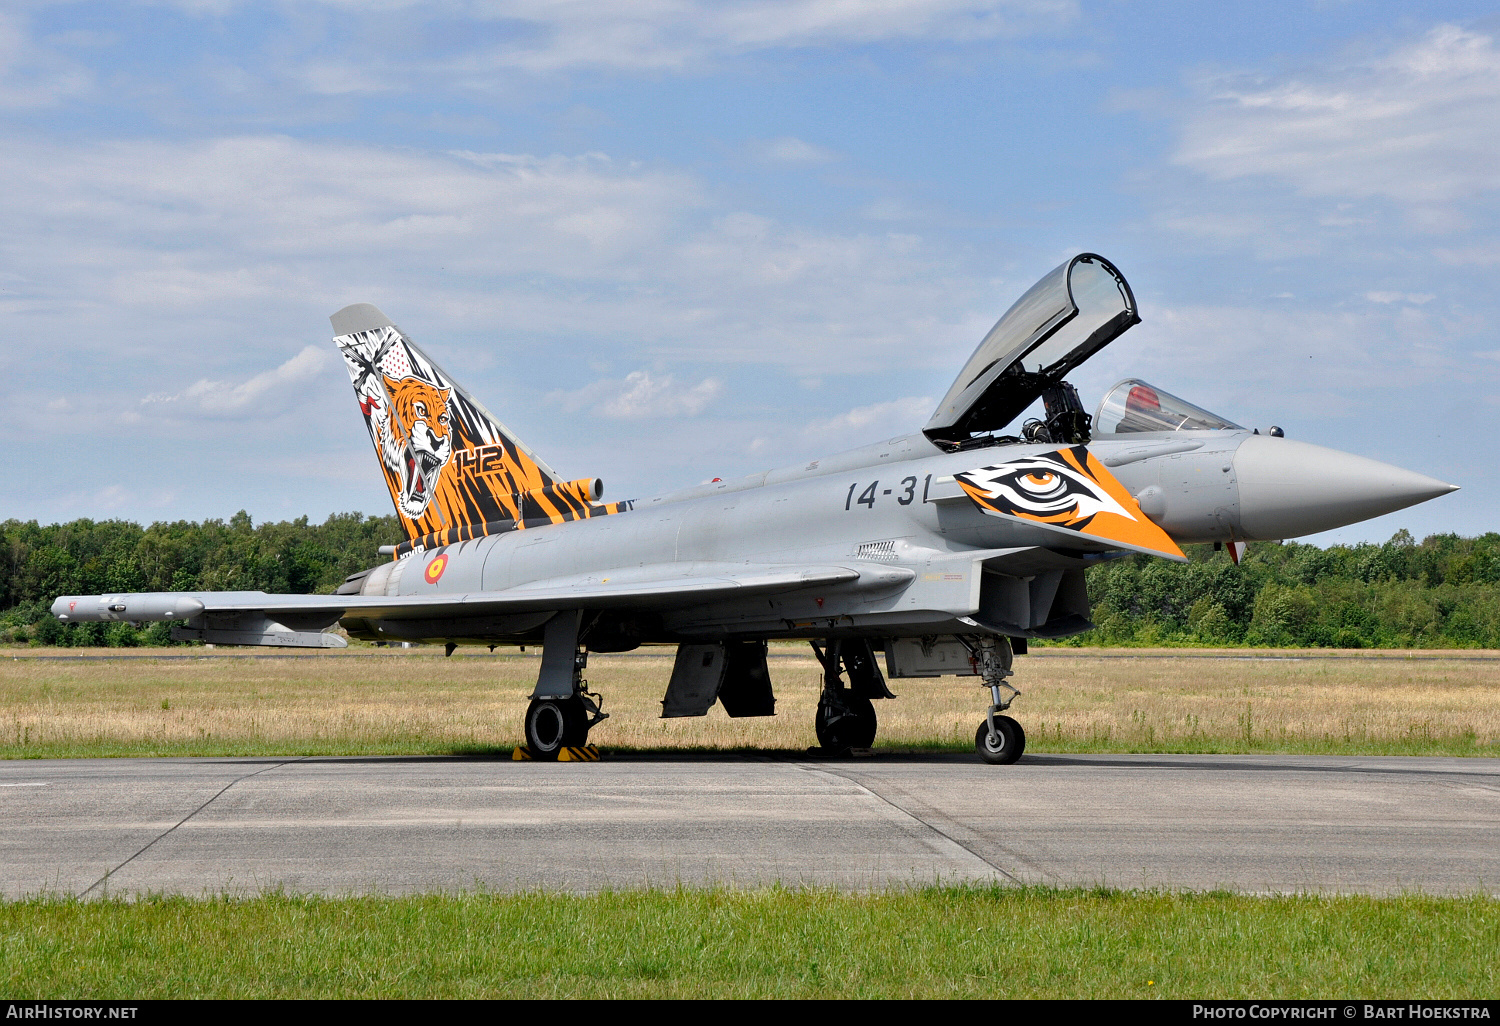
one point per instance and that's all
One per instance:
(1290, 488)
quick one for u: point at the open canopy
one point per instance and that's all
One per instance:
(1062, 320)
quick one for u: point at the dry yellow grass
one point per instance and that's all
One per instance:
(417, 701)
(1250, 701)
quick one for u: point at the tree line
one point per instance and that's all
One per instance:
(1443, 592)
(87, 557)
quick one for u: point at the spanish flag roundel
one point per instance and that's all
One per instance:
(435, 569)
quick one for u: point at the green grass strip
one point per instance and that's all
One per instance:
(936, 942)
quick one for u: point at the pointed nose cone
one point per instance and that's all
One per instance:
(1289, 489)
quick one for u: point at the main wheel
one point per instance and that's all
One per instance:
(1007, 744)
(553, 724)
(852, 726)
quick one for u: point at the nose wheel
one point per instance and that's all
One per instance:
(1001, 745)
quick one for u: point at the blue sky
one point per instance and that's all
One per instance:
(668, 240)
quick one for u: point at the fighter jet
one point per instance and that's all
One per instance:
(936, 553)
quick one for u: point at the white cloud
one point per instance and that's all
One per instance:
(267, 391)
(1416, 298)
(788, 150)
(1478, 255)
(807, 22)
(784, 442)
(1255, 364)
(888, 209)
(639, 396)
(227, 229)
(865, 424)
(340, 78)
(1272, 347)
(218, 395)
(550, 37)
(32, 75)
(245, 219)
(193, 270)
(636, 35)
(113, 497)
(1419, 126)
(153, 268)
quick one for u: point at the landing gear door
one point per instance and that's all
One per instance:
(928, 657)
(1068, 316)
(696, 677)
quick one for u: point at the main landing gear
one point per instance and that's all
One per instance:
(999, 739)
(846, 715)
(563, 710)
(553, 724)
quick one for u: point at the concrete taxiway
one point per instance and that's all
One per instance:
(1270, 823)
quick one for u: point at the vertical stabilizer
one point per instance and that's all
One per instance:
(454, 471)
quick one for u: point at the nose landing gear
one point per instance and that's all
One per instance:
(999, 739)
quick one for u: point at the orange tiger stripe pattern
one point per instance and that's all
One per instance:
(454, 472)
(1067, 489)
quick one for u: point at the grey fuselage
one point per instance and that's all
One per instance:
(895, 505)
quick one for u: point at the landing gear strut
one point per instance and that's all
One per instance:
(563, 710)
(999, 739)
(846, 717)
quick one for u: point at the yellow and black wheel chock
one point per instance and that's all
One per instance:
(583, 753)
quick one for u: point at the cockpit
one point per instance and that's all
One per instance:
(1061, 321)
(1133, 406)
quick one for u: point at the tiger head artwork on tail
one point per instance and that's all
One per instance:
(414, 440)
(454, 471)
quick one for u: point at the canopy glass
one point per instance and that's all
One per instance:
(1133, 406)
(1062, 320)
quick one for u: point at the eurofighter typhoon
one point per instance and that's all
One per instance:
(936, 553)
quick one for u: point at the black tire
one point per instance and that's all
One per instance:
(853, 726)
(553, 724)
(1012, 741)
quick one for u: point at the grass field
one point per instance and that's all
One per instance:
(964, 942)
(939, 942)
(418, 702)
